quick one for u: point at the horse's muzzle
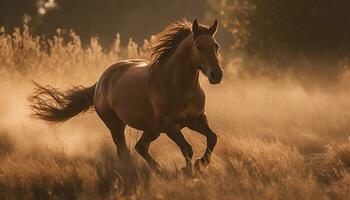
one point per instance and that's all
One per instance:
(215, 76)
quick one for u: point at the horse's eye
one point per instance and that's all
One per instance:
(199, 47)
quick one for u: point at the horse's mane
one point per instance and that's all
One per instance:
(164, 42)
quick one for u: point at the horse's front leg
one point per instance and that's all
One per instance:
(173, 131)
(142, 148)
(200, 124)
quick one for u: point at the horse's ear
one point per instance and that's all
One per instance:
(195, 27)
(212, 30)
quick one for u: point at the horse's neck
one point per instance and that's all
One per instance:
(179, 72)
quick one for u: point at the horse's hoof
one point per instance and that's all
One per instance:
(156, 169)
(198, 165)
(187, 171)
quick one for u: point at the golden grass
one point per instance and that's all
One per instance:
(276, 140)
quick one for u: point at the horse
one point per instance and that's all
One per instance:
(162, 95)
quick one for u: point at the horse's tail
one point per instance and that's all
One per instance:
(53, 105)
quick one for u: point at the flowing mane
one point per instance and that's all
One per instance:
(167, 40)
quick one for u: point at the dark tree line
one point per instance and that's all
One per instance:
(137, 19)
(13, 11)
(284, 32)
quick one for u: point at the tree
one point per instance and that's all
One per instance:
(282, 31)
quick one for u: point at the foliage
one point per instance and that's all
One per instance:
(102, 19)
(22, 53)
(292, 35)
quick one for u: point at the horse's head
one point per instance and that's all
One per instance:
(205, 51)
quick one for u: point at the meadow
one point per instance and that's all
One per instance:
(276, 139)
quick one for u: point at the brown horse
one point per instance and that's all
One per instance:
(162, 96)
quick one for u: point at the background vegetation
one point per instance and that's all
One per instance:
(306, 39)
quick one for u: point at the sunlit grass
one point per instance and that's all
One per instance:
(275, 140)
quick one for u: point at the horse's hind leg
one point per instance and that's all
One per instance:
(142, 148)
(116, 127)
(126, 169)
(117, 131)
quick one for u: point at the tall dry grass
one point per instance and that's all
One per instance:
(276, 140)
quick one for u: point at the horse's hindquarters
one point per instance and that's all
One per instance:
(124, 89)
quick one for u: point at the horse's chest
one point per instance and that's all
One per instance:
(179, 109)
(191, 109)
(186, 110)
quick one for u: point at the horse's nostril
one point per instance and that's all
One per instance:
(215, 75)
(212, 74)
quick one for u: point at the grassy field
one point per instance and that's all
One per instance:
(276, 140)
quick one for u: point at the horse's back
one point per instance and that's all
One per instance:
(114, 72)
(122, 88)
